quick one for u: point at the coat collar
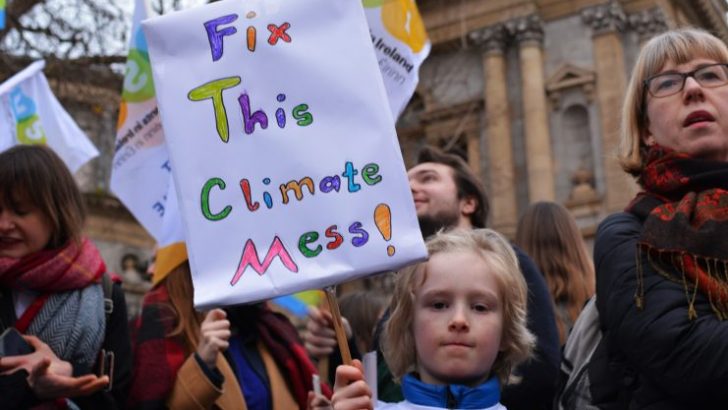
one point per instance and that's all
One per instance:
(452, 395)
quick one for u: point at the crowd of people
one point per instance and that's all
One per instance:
(479, 325)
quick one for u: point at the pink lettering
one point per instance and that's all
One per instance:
(250, 257)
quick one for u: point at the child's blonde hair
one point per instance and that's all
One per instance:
(517, 341)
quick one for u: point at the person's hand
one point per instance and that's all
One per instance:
(27, 362)
(49, 376)
(214, 336)
(320, 337)
(318, 402)
(49, 385)
(351, 392)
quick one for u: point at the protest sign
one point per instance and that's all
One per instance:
(141, 174)
(288, 171)
(401, 44)
(31, 114)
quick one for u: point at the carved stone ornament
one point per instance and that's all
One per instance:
(491, 39)
(526, 30)
(570, 76)
(648, 23)
(582, 192)
(605, 18)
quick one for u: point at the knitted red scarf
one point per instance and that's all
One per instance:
(684, 205)
(158, 357)
(54, 270)
(281, 338)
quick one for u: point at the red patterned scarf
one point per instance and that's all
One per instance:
(158, 357)
(281, 338)
(55, 270)
(684, 205)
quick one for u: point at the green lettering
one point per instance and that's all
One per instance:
(369, 174)
(205, 199)
(304, 240)
(213, 90)
(301, 114)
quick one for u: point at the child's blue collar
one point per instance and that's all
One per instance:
(451, 396)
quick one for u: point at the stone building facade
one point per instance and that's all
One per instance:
(530, 92)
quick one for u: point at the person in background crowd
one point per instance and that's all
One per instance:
(51, 291)
(449, 196)
(548, 233)
(135, 283)
(661, 265)
(178, 351)
(363, 309)
(457, 328)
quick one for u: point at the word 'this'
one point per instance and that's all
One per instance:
(219, 28)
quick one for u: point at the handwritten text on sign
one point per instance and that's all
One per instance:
(290, 145)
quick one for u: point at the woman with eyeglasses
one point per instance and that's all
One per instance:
(662, 279)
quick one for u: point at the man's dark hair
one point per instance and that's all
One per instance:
(466, 181)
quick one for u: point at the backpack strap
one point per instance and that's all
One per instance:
(106, 358)
(107, 285)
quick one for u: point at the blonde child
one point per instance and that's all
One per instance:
(458, 328)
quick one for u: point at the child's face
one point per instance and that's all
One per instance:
(458, 320)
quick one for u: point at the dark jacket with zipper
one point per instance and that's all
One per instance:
(659, 359)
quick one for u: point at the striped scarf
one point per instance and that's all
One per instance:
(68, 313)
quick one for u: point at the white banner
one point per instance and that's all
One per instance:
(31, 114)
(141, 174)
(288, 171)
(401, 45)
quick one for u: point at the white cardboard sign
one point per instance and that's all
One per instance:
(283, 148)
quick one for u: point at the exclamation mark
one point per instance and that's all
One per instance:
(251, 34)
(251, 38)
(383, 220)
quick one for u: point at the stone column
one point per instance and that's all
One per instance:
(498, 128)
(528, 32)
(606, 21)
(648, 23)
(473, 139)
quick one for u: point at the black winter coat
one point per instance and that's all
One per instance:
(16, 394)
(660, 358)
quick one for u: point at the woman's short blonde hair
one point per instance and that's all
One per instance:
(517, 341)
(677, 47)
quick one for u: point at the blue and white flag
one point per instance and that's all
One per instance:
(141, 174)
(31, 114)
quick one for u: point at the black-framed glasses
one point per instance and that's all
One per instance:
(667, 84)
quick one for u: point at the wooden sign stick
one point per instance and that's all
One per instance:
(338, 325)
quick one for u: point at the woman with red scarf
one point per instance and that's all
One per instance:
(51, 292)
(662, 279)
(243, 357)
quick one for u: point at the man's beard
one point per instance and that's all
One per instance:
(431, 224)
